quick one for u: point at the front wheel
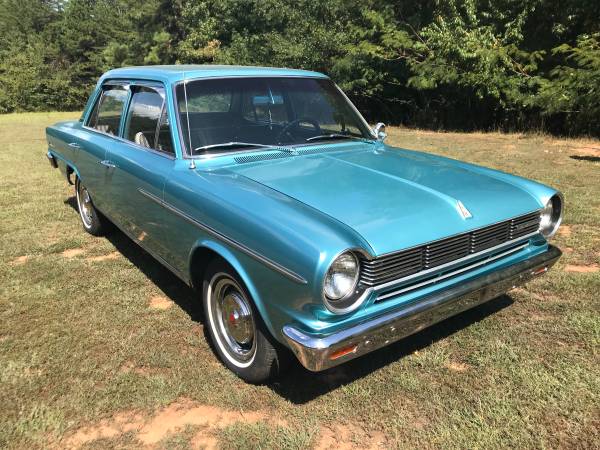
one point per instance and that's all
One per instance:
(237, 332)
(92, 220)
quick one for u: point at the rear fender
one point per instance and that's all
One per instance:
(67, 167)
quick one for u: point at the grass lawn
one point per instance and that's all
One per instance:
(102, 347)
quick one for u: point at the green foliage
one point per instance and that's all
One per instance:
(574, 88)
(474, 64)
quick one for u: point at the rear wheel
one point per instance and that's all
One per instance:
(237, 332)
(93, 222)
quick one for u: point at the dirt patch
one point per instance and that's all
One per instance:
(110, 256)
(582, 269)
(160, 302)
(171, 419)
(185, 412)
(539, 316)
(72, 252)
(19, 260)
(455, 366)
(130, 367)
(203, 441)
(346, 437)
(588, 151)
(565, 230)
(127, 366)
(120, 424)
(584, 147)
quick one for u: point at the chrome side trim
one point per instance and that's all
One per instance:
(241, 247)
(452, 263)
(318, 352)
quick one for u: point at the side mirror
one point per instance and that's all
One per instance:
(379, 131)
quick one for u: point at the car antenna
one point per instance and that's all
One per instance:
(187, 118)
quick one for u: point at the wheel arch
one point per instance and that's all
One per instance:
(69, 167)
(70, 170)
(200, 257)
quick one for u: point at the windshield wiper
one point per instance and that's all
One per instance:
(231, 145)
(333, 136)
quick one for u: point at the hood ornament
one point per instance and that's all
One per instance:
(462, 209)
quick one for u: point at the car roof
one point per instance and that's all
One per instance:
(175, 73)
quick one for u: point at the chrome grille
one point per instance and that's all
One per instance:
(412, 261)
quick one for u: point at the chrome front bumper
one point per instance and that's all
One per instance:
(319, 353)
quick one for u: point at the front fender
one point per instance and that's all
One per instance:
(234, 259)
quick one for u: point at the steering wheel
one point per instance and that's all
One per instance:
(294, 123)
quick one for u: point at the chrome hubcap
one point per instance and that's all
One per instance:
(85, 205)
(237, 318)
(232, 319)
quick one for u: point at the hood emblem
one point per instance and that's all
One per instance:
(464, 212)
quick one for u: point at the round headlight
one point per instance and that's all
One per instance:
(341, 278)
(551, 216)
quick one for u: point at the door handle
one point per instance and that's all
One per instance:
(74, 145)
(108, 164)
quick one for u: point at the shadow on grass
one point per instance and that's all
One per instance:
(72, 202)
(299, 385)
(585, 158)
(164, 279)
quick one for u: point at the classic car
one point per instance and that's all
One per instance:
(301, 230)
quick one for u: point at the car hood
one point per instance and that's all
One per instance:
(395, 198)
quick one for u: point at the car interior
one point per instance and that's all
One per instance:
(255, 111)
(258, 111)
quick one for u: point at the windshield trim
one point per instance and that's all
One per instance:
(335, 136)
(233, 144)
(187, 155)
(291, 149)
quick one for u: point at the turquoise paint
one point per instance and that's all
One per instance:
(300, 211)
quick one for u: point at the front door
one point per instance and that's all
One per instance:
(139, 164)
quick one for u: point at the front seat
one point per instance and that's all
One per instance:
(141, 140)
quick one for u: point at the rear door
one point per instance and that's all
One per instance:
(139, 164)
(100, 129)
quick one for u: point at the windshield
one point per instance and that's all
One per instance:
(234, 114)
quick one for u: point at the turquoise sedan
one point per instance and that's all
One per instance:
(301, 230)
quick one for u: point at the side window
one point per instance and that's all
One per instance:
(164, 142)
(142, 118)
(106, 115)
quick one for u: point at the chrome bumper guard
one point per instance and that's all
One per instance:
(52, 160)
(318, 353)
